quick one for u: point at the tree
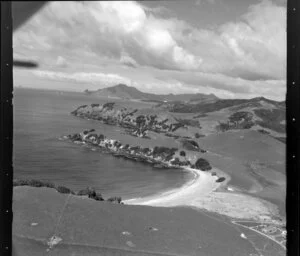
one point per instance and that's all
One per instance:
(115, 199)
(221, 179)
(240, 116)
(223, 127)
(101, 137)
(145, 150)
(126, 146)
(182, 153)
(140, 121)
(202, 164)
(109, 105)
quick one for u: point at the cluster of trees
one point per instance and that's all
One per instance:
(197, 135)
(90, 192)
(176, 161)
(223, 127)
(238, 120)
(150, 122)
(221, 179)
(190, 145)
(164, 152)
(189, 122)
(176, 126)
(109, 105)
(138, 125)
(263, 131)
(88, 131)
(240, 116)
(202, 164)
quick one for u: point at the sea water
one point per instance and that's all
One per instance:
(42, 117)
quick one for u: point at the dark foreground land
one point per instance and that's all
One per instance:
(73, 225)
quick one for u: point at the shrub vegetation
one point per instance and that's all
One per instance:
(115, 199)
(190, 145)
(182, 153)
(202, 164)
(64, 190)
(33, 183)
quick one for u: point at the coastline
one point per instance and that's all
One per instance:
(202, 182)
(204, 193)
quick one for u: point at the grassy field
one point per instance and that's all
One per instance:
(255, 162)
(72, 225)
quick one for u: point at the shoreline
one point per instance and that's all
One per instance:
(204, 193)
(171, 197)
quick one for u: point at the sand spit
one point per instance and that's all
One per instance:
(203, 192)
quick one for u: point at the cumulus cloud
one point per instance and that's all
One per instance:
(107, 28)
(128, 61)
(247, 55)
(252, 48)
(258, 42)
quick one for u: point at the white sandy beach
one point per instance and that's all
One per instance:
(202, 184)
(201, 193)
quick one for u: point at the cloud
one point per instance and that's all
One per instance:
(107, 29)
(61, 62)
(258, 42)
(128, 61)
(99, 79)
(159, 10)
(227, 86)
(199, 2)
(253, 47)
(247, 55)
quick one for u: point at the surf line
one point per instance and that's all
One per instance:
(200, 185)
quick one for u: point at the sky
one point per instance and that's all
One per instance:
(232, 48)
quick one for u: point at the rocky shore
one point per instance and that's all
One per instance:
(158, 157)
(135, 123)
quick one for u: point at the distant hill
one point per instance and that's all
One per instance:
(257, 112)
(262, 114)
(123, 91)
(218, 104)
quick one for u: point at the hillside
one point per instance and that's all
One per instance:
(261, 114)
(88, 227)
(123, 91)
(218, 104)
(191, 120)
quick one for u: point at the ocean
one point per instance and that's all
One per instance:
(41, 117)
